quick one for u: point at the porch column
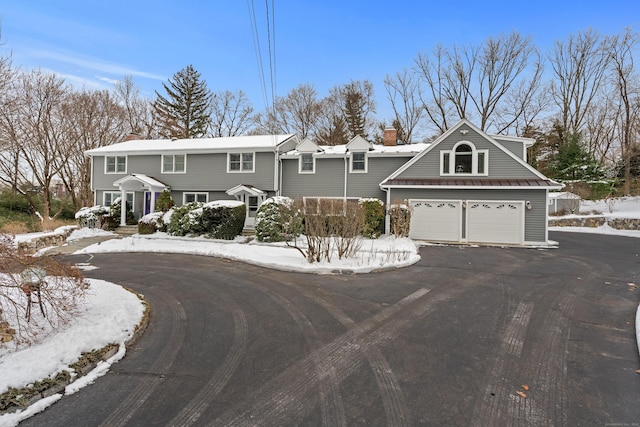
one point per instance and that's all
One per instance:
(152, 205)
(123, 207)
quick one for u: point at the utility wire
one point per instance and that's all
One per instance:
(256, 47)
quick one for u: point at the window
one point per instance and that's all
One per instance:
(174, 163)
(110, 197)
(195, 197)
(115, 164)
(464, 159)
(358, 162)
(252, 206)
(240, 162)
(307, 163)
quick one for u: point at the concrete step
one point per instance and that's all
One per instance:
(126, 230)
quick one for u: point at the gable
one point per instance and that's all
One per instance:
(307, 146)
(358, 143)
(501, 163)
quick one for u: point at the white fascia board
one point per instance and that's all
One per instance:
(469, 187)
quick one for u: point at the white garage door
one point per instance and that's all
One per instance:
(495, 222)
(437, 220)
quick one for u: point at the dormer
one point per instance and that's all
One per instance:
(357, 149)
(307, 160)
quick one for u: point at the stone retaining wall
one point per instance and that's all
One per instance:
(596, 221)
(58, 238)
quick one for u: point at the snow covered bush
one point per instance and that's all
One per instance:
(400, 216)
(185, 220)
(221, 219)
(373, 217)
(277, 220)
(91, 217)
(150, 223)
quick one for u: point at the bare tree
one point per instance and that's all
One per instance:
(9, 150)
(91, 119)
(627, 84)
(403, 91)
(138, 110)
(579, 66)
(231, 114)
(496, 83)
(39, 133)
(296, 112)
(331, 127)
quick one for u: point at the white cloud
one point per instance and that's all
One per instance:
(95, 64)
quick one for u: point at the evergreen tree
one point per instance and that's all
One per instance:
(573, 162)
(185, 110)
(354, 112)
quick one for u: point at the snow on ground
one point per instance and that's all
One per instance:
(109, 315)
(113, 313)
(382, 253)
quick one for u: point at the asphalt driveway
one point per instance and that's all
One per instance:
(468, 336)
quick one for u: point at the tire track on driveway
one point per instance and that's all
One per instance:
(395, 406)
(331, 403)
(288, 397)
(136, 399)
(199, 404)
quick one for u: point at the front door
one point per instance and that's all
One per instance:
(147, 202)
(253, 203)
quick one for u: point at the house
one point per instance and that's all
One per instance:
(564, 201)
(466, 186)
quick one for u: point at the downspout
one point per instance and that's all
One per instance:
(387, 218)
(346, 170)
(123, 206)
(276, 171)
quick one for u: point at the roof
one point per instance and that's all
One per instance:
(195, 145)
(143, 179)
(376, 149)
(471, 182)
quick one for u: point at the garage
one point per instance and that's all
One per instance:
(495, 222)
(436, 220)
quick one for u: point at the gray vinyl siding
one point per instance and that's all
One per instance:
(367, 184)
(328, 179)
(515, 147)
(534, 219)
(501, 165)
(204, 172)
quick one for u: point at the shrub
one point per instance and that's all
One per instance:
(15, 202)
(151, 223)
(92, 216)
(223, 219)
(277, 220)
(164, 202)
(400, 216)
(114, 211)
(185, 220)
(373, 217)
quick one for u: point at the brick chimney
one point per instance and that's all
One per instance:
(390, 136)
(131, 136)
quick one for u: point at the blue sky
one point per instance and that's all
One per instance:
(325, 42)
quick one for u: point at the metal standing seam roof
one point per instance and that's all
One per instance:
(470, 182)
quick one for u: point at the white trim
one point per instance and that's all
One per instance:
(366, 162)
(118, 194)
(522, 223)
(173, 164)
(445, 135)
(196, 194)
(474, 160)
(313, 166)
(241, 170)
(116, 172)
(474, 187)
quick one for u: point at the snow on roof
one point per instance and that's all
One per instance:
(333, 150)
(155, 146)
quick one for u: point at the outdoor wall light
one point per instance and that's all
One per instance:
(528, 204)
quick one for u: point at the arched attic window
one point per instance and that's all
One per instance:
(464, 159)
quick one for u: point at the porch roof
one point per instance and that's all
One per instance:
(142, 180)
(246, 189)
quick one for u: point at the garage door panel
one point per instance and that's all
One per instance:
(495, 222)
(436, 220)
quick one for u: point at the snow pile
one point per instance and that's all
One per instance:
(375, 254)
